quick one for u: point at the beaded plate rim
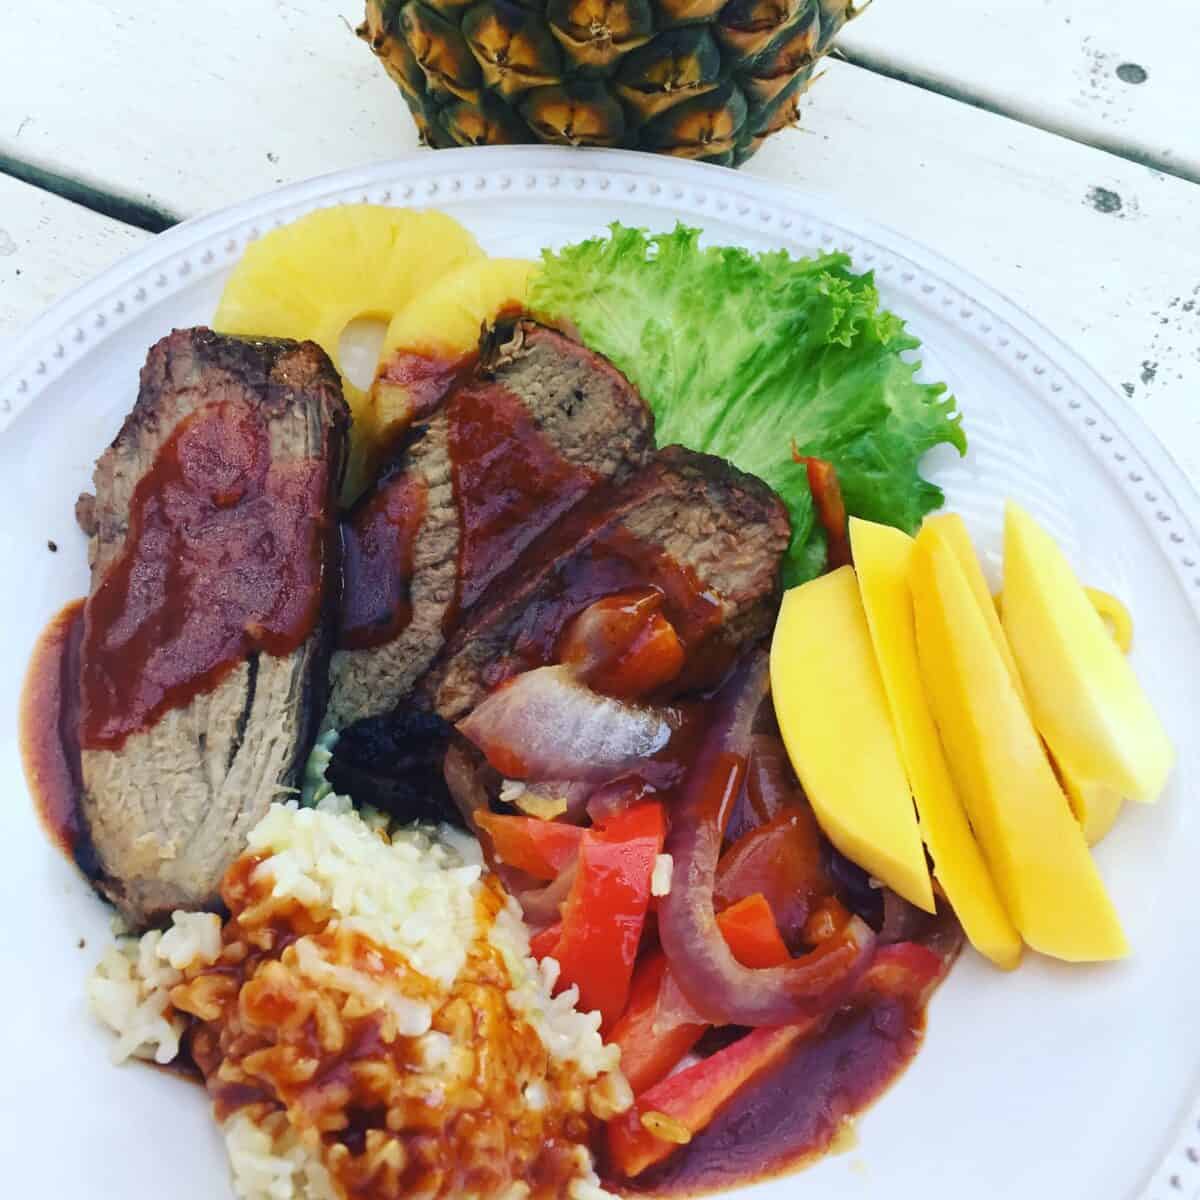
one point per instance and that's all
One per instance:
(1119, 442)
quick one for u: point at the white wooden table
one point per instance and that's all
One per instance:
(1051, 148)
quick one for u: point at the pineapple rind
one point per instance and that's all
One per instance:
(595, 72)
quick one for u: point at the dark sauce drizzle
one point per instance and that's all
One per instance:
(510, 484)
(225, 555)
(378, 543)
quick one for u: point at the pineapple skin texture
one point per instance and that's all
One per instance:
(703, 79)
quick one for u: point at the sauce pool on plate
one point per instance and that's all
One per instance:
(49, 731)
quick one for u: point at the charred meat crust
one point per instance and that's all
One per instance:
(726, 526)
(581, 403)
(171, 809)
(394, 762)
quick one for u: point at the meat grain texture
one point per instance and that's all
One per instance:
(582, 405)
(171, 809)
(725, 526)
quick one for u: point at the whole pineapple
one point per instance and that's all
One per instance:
(703, 79)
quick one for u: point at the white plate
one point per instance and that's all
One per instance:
(1051, 1082)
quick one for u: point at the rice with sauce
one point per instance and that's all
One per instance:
(369, 1021)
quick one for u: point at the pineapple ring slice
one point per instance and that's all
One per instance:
(442, 325)
(309, 280)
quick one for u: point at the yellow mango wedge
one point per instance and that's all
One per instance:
(1115, 616)
(1084, 696)
(951, 530)
(833, 715)
(883, 560)
(1033, 845)
(1096, 805)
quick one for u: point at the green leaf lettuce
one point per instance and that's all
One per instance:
(742, 355)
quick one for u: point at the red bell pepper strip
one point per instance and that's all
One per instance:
(673, 1111)
(684, 1103)
(650, 1044)
(782, 860)
(749, 928)
(606, 908)
(545, 941)
(831, 508)
(649, 1053)
(543, 849)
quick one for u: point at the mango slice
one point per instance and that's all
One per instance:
(833, 714)
(1084, 696)
(952, 531)
(883, 559)
(1115, 616)
(1033, 845)
(1095, 805)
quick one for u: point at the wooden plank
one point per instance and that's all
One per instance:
(47, 247)
(188, 107)
(202, 109)
(1107, 74)
(262, 93)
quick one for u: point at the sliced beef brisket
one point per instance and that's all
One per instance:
(711, 536)
(516, 445)
(210, 614)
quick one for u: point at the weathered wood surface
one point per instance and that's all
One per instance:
(180, 110)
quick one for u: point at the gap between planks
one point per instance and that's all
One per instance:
(156, 217)
(97, 199)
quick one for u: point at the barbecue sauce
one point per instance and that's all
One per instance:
(798, 1110)
(426, 380)
(622, 645)
(225, 556)
(510, 484)
(612, 563)
(49, 732)
(378, 542)
(509, 481)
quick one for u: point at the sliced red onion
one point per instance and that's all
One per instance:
(616, 796)
(543, 905)
(464, 779)
(672, 1008)
(545, 724)
(902, 922)
(719, 988)
(549, 799)
(770, 786)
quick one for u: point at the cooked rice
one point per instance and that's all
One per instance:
(270, 1162)
(660, 879)
(130, 988)
(369, 1021)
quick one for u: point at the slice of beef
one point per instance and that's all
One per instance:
(540, 422)
(684, 515)
(170, 799)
